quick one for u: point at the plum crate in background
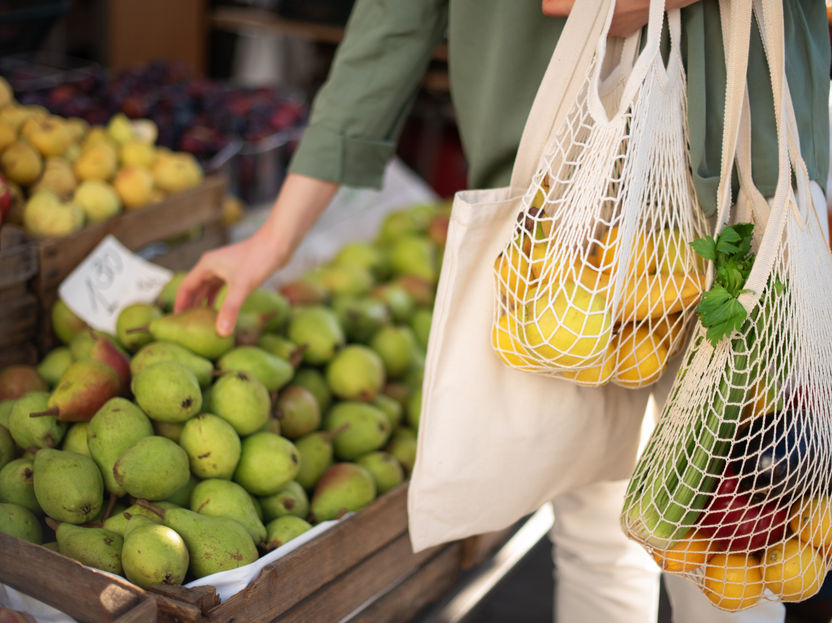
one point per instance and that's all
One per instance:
(181, 227)
(18, 306)
(360, 570)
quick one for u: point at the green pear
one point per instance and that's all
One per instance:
(360, 317)
(167, 391)
(413, 408)
(171, 430)
(116, 426)
(20, 522)
(5, 412)
(212, 444)
(290, 500)
(283, 529)
(214, 543)
(273, 372)
(267, 463)
(153, 468)
(17, 484)
(94, 547)
(420, 322)
(242, 401)
(390, 407)
(75, 439)
(68, 486)
(271, 306)
(280, 346)
(318, 330)
(224, 498)
(167, 297)
(54, 364)
(355, 373)
(367, 428)
(84, 387)
(182, 496)
(154, 554)
(415, 255)
(402, 446)
(396, 298)
(402, 223)
(365, 255)
(65, 323)
(131, 517)
(35, 432)
(297, 411)
(195, 329)
(346, 279)
(131, 322)
(18, 380)
(344, 488)
(313, 380)
(396, 346)
(7, 448)
(155, 352)
(316, 456)
(384, 468)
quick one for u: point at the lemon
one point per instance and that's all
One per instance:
(642, 261)
(692, 551)
(596, 375)
(733, 581)
(793, 570)
(505, 344)
(571, 327)
(641, 356)
(812, 521)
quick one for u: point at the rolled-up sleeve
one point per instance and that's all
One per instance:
(358, 114)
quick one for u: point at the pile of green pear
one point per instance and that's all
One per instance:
(167, 452)
(62, 173)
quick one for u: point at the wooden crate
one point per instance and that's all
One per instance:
(197, 208)
(18, 306)
(360, 570)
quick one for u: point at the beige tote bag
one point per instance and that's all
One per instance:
(494, 442)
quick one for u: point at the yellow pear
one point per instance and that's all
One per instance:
(45, 215)
(176, 172)
(134, 186)
(96, 135)
(97, 199)
(96, 162)
(21, 163)
(49, 135)
(8, 134)
(15, 115)
(120, 129)
(77, 128)
(57, 177)
(568, 325)
(136, 153)
(232, 210)
(6, 93)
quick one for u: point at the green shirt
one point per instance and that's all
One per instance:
(498, 51)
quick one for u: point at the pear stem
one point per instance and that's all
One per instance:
(296, 356)
(142, 329)
(334, 433)
(110, 504)
(151, 507)
(51, 523)
(51, 411)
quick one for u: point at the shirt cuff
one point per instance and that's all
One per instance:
(330, 155)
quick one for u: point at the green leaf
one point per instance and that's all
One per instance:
(705, 247)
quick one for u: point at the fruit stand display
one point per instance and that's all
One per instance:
(185, 461)
(18, 263)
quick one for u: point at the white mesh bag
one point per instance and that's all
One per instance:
(597, 283)
(733, 488)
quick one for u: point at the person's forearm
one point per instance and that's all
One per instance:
(298, 205)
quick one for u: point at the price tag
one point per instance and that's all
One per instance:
(110, 278)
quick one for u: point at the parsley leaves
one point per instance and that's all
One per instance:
(719, 310)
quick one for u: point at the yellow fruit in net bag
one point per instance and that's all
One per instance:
(641, 356)
(642, 260)
(513, 274)
(692, 551)
(793, 570)
(733, 581)
(652, 296)
(593, 376)
(673, 252)
(568, 325)
(507, 347)
(812, 521)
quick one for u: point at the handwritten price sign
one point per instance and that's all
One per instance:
(109, 279)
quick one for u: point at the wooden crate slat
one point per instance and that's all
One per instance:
(82, 593)
(23, 352)
(350, 591)
(18, 256)
(305, 570)
(144, 612)
(18, 319)
(422, 587)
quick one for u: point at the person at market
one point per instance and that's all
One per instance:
(498, 52)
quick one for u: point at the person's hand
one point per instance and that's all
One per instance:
(245, 265)
(629, 16)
